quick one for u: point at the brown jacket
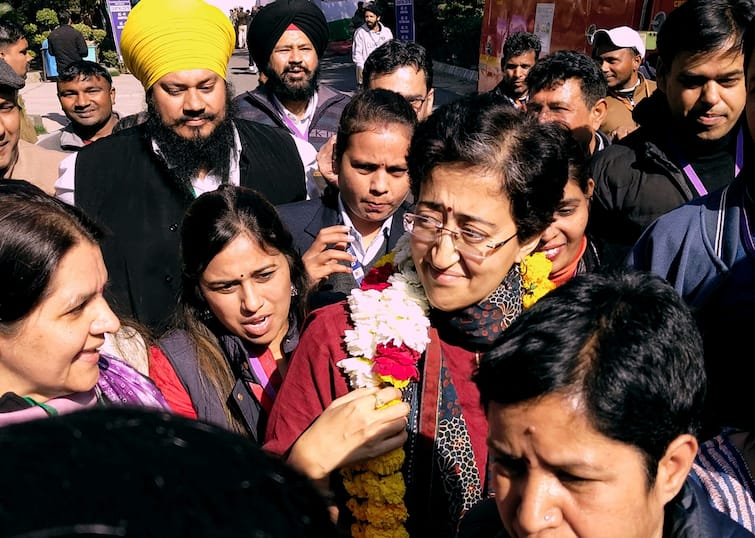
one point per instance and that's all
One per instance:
(36, 165)
(620, 110)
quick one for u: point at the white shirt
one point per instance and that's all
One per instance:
(365, 254)
(307, 151)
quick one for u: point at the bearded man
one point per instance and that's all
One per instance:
(138, 182)
(286, 39)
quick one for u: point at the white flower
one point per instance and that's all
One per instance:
(398, 314)
(360, 372)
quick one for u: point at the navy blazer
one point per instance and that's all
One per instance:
(305, 220)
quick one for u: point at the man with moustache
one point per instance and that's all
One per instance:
(20, 159)
(286, 39)
(520, 52)
(138, 182)
(619, 52)
(87, 96)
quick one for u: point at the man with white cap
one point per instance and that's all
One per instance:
(139, 181)
(619, 52)
(690, 141)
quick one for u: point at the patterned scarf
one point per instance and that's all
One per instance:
(479, 326)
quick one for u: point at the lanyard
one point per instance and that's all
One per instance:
(357, 271)
(266, 371)
(695, 179)
(304, 136)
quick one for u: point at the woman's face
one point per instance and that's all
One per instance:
(249, 292)
(562, 240)
(372, 174)
(554, 474)
(465, 198)
(55, 349)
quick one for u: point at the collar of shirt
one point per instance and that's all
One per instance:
(365, 255)
(303, 123)
(210, 181)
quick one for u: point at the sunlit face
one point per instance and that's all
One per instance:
(54, 351)
(191, 103)
(87, 101)
(465, 198)
(249, 291)
(10, 129)
(17, 56)
(410, 83)
(515, 72)
(618, 65)
(565, 104)
(705, 92)
(294, 59)
(562, 240)
(373, 175)
(554, 475)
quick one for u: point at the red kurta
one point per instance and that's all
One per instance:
(313, 381)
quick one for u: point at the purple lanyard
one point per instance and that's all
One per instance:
(304, 136)
(264, 380)
(695, 179)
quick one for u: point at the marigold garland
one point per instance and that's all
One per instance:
(535, 269)
(390, 318)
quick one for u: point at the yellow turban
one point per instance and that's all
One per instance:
(164, 36)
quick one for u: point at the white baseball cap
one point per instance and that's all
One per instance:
(622, 37)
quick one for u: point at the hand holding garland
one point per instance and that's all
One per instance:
(350, 430)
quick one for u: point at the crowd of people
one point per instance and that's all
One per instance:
(516, 314)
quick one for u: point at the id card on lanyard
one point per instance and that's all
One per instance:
(357, 271)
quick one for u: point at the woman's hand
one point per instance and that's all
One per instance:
(351, 429)
(321, 261)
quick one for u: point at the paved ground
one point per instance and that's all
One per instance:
(336, 70)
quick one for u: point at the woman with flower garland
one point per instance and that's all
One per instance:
(53, 316)
(486, 181)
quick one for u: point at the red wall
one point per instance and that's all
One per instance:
(571, 20)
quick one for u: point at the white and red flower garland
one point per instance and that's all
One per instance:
(390, 318)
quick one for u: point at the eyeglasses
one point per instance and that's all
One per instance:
(468, 243)
(416, 102)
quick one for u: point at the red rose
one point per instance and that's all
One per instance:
(377, 277)
(397, 362)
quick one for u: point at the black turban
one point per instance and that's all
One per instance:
(272, 20)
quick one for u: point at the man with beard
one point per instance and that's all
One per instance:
(286, 39)
(138, 182)
(368, 37)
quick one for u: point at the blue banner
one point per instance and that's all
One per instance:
(118, 11)
(405, 20)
